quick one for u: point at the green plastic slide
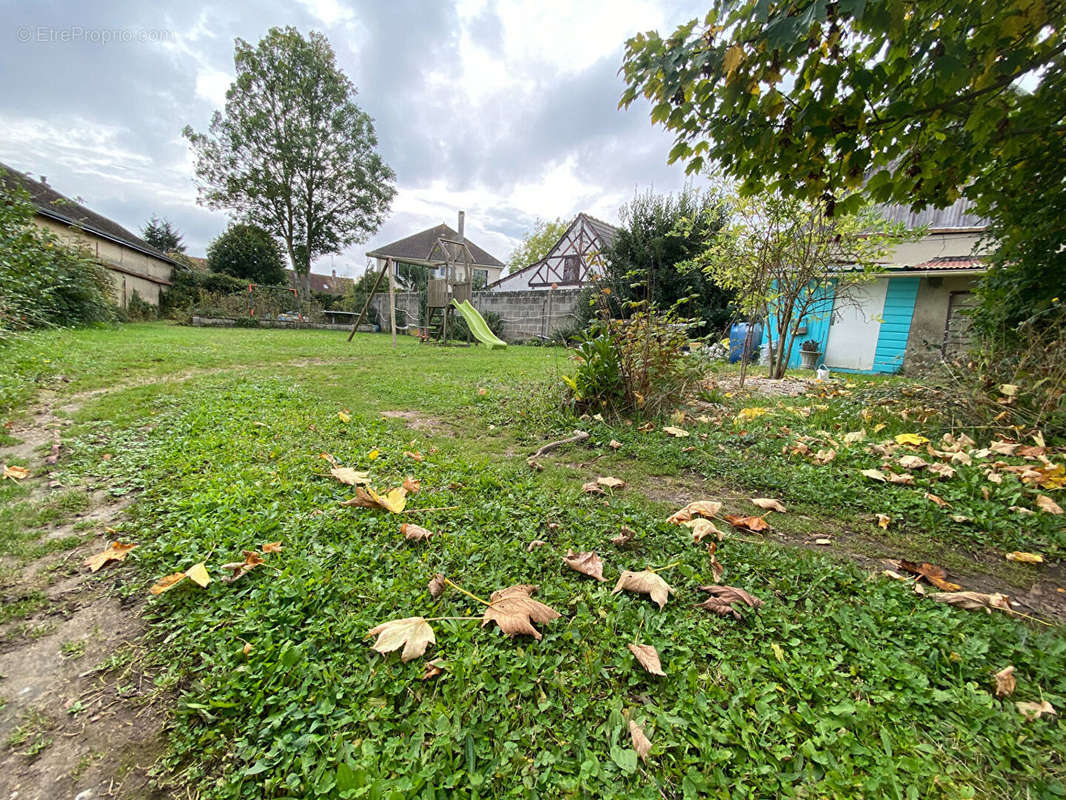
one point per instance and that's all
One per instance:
(478, 326)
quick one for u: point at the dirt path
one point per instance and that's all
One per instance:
(76, 715)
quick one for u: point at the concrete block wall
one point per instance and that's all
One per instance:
(526, 314)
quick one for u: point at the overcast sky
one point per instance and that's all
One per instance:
(505, 109)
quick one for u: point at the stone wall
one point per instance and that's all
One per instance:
(526, 314)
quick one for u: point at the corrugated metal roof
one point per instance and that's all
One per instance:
(957, 215)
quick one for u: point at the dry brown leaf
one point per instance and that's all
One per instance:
(586, 563)
(883, 521)
(724, 599)
(1003, 448)
(906, 478)
(591, 487)
(436, 585)
(1046, 504)
(717, 570)
(416, 455)
(196, 573)
(824, 456)
(272, 547)
(697, 508)
(912, 462)
(1021, 510)
(940, 501)
(644, 582)
(15, 473)
(1025, 558)
(349, 476)
(648, 657)
(851, 437)
(412, 485)
(515, 611)
(115, 551)
(679, 433)
(942, 470)
(932, 573)
(432, 669)
(415, 533)
(1034, 711)
(624, 537)
(1005, 681)
(640, 742)
(768, 504)
(702, 528)
(610, 482)
(875, 475)
(614, 444)
(413, 634)
(252, 559)
(753, 524)
(394, 500)
(534, 544)
(974, 601)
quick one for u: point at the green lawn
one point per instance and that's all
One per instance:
(841, 685)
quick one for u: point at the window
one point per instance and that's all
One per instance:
(571, 269)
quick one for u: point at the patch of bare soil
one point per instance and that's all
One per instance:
(69, 727)
(784, 387)
(418, 421)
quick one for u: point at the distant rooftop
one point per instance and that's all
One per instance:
(419, 247)
(958, 216)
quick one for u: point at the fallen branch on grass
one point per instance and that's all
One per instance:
(579, 436)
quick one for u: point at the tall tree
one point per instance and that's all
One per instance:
(903, 100)
(248, 252)
(536, 244)
(163, 236)
(292, 152)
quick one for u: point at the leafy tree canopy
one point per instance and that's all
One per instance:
(247, 252)
(908, 102)
(163, 236)
(292, 152)
(537, 243)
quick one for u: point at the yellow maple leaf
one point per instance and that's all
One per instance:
(344, 416)
(911, 439)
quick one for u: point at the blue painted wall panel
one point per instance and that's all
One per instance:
(817, 322)
(895, 324)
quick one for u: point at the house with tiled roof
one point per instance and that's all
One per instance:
(574, 260)
(327, 284)
(912, 313)
(132, 264)
(423, 249)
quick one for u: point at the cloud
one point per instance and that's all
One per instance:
(506, 109)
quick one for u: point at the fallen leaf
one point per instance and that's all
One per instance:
(1025, 558)
(1046, 504)
(854, 436)
(436, 585)
(698, 508)
(723, 600)
(823, 542)
(640, 742)
(753, 524)
(912, 439)
(196, 573)
(824, 456)
(15, 473)
(940, 501)
(412, 485)
(974, 601)
(624, 537)
(679, 433)
(344, 416)
(648, 657)
(413, 634)
(394, 500)
(247, 648)
(717, 570)
(614, 444)
(611, 483)
(349, 476)
(751, 413)
(1008, 389)
(932, 574)
(534, 544)
(883, 521)
(942, 470)
(702, 528)
(875, 475)
(779, 652)
(115, 551)
(1005, 681)
(913, 462)
(1053, 477)
(768, 504)
(586, 563)
(417, 456)
(647, 427)
(432, 669)
(591, 487)
(252, 559)
(272, 547)
(1003, 448)
(515, 611)
(1034, 711)
(415, 533)
(1021, 510)
(905, 479)
(644, 582)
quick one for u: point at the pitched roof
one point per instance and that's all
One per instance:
(951, 262)
(334, 284)
(605, 230)
(959, 215)
(419, 247)
(52, 204)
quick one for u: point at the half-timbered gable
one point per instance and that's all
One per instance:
(571, 262)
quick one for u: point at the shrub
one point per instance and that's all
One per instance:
(188, 287)
(44, 282)
(458, 329)
(637, 365)
(247, 252)
(140, 309)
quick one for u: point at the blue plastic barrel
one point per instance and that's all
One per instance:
(738, 338)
